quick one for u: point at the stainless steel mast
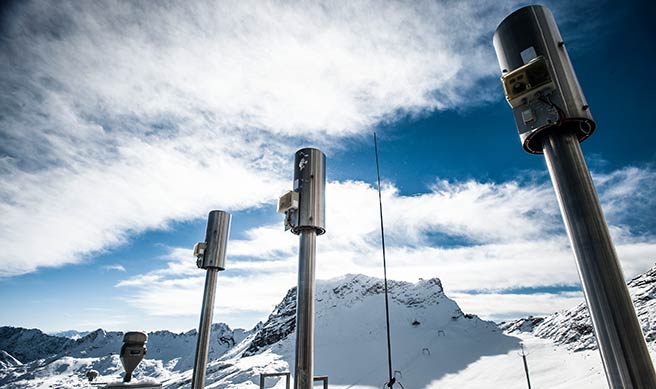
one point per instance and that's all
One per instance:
(304, 209)
(211, 256)
(552, 117)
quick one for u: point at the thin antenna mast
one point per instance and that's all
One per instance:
(392, 379)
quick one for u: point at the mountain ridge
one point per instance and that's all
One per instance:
(573, 327)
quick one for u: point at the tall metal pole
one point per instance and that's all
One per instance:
(204, 330)
(304, 374)
(211, 256)
(552, 117)
(619, 336)
(305, 211)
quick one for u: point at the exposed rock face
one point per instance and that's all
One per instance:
(573, 327)
(278, 326)
(30, 344)
(526, 324)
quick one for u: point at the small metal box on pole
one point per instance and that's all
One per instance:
(211, 257)
(552, 117)
(304, 209)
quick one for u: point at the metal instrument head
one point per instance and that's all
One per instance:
(538, 78)
(212, 252)
(132, 352)
(305, 206)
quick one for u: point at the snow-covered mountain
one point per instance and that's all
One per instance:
(431, 337)
(64, 362)
(30, 344)
(71, 334)
(573, 327)
(434, 344)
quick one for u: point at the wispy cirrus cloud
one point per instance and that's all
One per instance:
(120, 117)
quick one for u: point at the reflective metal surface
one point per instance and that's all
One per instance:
(204, 331)
(620, 339)
(216, 239)
(304, 373)
(525, 37)
(310, 183)
(213, 259)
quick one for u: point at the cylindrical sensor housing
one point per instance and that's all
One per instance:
(538, 78)
(216, 239)
(310, 183)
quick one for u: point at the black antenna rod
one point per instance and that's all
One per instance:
(391, 381)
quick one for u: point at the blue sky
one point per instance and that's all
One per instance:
(122, 124)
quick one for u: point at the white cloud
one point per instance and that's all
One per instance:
(502, 306)
(511, 237)
(177, 289)
(120, 117)
(116, 267)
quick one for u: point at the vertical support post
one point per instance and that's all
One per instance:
(305, 212)
(211, 256)
(303, 376)
(204, 330)
(619, 336)
(552, 117)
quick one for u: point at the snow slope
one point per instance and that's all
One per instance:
(550, 366)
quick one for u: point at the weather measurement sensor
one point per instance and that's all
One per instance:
(538, 78)
(552, 118)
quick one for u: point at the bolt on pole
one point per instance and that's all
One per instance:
(210, 256)
(552, 118)
(304, 209)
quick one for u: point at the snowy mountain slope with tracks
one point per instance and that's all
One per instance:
(434, 345)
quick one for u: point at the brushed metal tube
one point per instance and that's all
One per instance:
(304, 367)
(619, 337)
(204, 330)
